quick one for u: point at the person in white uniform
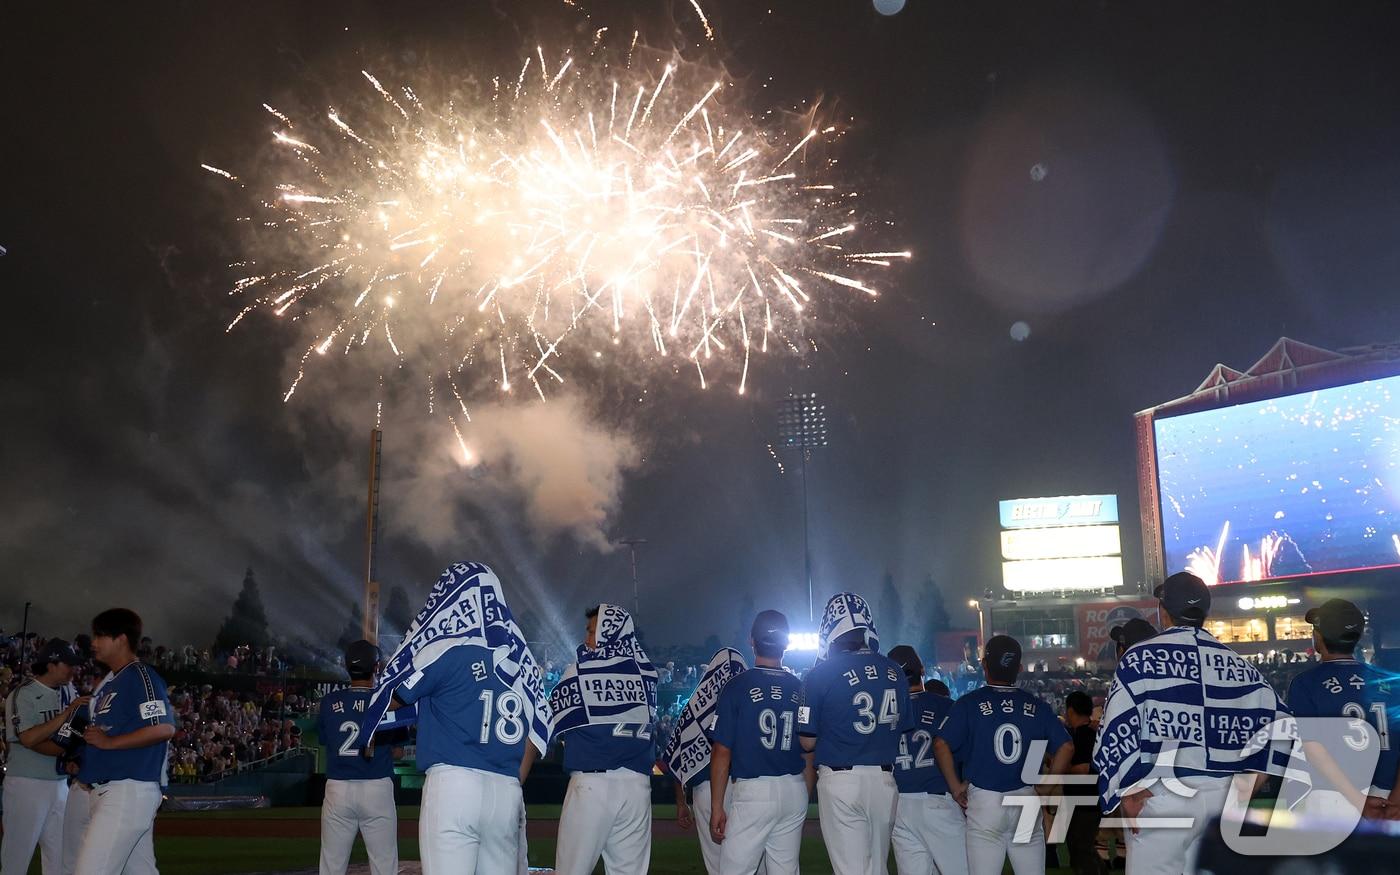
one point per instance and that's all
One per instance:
(759, 817)
(930, 829)
(36, 791)
(359, 784)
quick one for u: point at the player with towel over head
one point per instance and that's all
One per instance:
(482, 716)
(1179, 724)
(605, 709)
(992, 732)
(687, 753)
(855, 704)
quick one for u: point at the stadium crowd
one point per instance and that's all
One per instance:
(218, 728)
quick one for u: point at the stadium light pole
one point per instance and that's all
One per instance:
(632, 544)
(802, 426)
(370, 627)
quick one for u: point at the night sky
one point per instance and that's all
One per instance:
(1151, 188)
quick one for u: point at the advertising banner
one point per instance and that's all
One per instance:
(1094, 620)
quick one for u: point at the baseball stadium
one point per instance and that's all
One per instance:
(700, 436)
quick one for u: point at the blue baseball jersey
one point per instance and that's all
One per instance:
(130, 699)
(756, 718)
(466, 716)
(339, 727)
(990, 731)
(915, 770)
(1347, 688)
(856, 704)
(601, 747)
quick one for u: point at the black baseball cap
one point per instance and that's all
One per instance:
(771, 628)
(908, 659)
(1079, 702)
(1132, 632)
(1337, 620)
(934, 685)
(1184, 596)
(1003, 655)
(59, 651)
(361, 657)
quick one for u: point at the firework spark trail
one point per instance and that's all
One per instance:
(588, 202)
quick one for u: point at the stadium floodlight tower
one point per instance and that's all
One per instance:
(370, 629)
(802, 426)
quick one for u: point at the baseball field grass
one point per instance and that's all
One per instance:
(285, 840)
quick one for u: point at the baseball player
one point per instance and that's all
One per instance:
(359, 785)
(754, 744)
(930, 830)
(128, 741)
(464, 663)
(992, 732)
(78, 811)
(605, 709)
(855, 705)
(35, 790)
(687, 754)
(1180, 722)
(1340, 686)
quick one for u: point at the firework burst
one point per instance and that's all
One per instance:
(576, 204)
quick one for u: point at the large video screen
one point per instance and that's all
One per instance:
(1305, 484)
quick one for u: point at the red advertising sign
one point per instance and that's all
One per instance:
(1094, 621)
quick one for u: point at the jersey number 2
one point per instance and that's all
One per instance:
(352, 735)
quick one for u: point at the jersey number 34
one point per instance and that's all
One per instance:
(864, 703)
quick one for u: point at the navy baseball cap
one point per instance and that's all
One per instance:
(1338, 620)
(1003, 653)
(60, 651)
(771, 628)
(361, 657)
(1132, 632)
(1079, 702)
(908, 659)
(1184, 596)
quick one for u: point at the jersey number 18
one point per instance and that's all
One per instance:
(508, 711)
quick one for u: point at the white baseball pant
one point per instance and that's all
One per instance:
(118, 838)
(765, 825)
(365, 807)
(471, 821)
(1170, 851)
(700, 808)
(33, 817)
(605, 814)
(856, 807)
(930, 835)
(76, 815)
(992, 834)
